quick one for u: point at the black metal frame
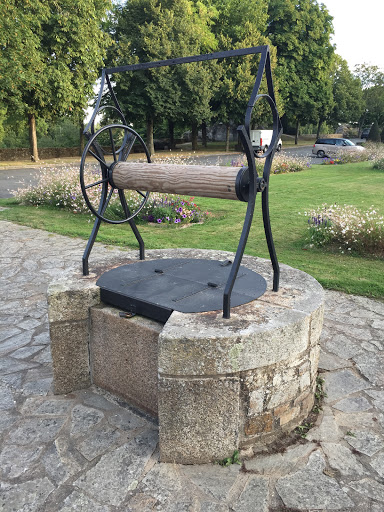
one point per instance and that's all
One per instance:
(256, 183)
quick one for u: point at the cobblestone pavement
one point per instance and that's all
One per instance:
(88, 452)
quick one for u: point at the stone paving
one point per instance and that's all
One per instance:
(87, 451)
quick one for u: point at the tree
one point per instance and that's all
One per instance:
(348, 102)
(147, 30)
(374, 133)
(240, 24)
(300, 30)
(50, 55)
(372, 79)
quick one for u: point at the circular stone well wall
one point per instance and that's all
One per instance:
(222, 384)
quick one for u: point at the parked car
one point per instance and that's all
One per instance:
(331, 147)
(365, 132)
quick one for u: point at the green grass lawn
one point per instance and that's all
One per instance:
(355, 184)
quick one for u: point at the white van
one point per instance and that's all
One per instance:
(261, 140)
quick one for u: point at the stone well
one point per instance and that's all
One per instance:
(216, 385)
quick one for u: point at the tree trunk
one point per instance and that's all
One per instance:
(33, 138)
(150, 145)
(194, 136)
(319, 128)
(204, 133)
(297, 131)
(227, 137)
(171, 134)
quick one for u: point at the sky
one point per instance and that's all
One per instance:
(358, 27)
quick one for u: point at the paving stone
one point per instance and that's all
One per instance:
(342, 383)
(210, 506)
(27, 497)
(15, 342)
(309, 488)
(378, 398)
(83, 418)
(8, 332)
(328, 430)
(98, 441)
(36, 430)
(7, 419)
(42, 339)
(126, 420)
(59, 468)
(9, 365)
(254, 497)
(44, 357)
(213, 480)
(342, 459)
(29, 324)
(342, 346)
(110, 479)
(366, 442)
(82, 503)
(12, 381)
(332, 362)
(370, 488)
(353, 404)
(49, 407)
(371, 366)
(163, 484)
(92, 399)
(378, 324)
(6, 398)
(37, 387)
(357, 420)
(15, 461)
(25, 352)
(378, 464)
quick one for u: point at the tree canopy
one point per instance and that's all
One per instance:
(51, 52)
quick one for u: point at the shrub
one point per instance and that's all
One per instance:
(281, 164)
(347, 228)
(379, 164)
(60, 188)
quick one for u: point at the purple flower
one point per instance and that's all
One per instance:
(184, 216)
(177, 220)
(151, 218)
(159, 221)
(179, 210)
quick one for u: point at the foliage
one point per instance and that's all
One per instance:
(301, 30)
(227, 461)
(372, 79)
(374, 133)
(379, 164)
(347, 227)
(60, 188)
(281, 164)
(347, 94)
(51, 53)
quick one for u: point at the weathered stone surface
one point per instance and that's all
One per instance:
(49, 407)
(23, 353)
(15, 342)
(332, 362)
(126, 420)
(112, 477)
(28, 496)
(188, 435)
(98, 442)
(164, 485)
(69, 346)
(36, 430)
(378, 464)
(214, 481)
(254, 497)
(81, 502)
(342, 459)
(311, 489)
(353, 404)
(6, 398)
(371, 366)
(69, 300)
(124, 356)
(84, 418)
(378, 398)
(366, 442)
(328, 430)
(370, 488)
(342, 346)
(342, 383)
(278, 464)
(14, 461)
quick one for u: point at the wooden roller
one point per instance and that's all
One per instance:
(192, 180)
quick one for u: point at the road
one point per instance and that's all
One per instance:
(13, 178)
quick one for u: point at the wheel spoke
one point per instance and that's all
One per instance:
(96, 183)
(138, 191)
(107, 201)
(123, 202)
(98, 158)
(112, 144)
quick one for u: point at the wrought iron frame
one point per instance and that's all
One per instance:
(256, 183)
